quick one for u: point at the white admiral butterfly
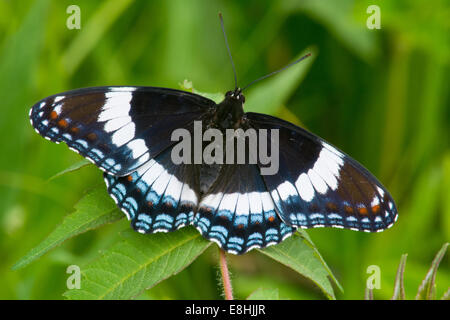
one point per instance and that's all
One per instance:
(126, 132)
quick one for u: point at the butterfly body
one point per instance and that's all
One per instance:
(127, 132)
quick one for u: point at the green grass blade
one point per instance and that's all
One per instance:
(19, 54)
(92, 211)
(399, 287)
(264, 294)
(427, 290)
(138, 262)
(368, 294)
(298, 254)
(92, 33)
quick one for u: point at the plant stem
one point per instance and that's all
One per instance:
(227, 289)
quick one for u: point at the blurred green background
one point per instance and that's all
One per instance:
(380, 95)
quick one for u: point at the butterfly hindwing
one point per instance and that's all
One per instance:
(238, 212)
(117, 128)
(317, 185)
(159, 196)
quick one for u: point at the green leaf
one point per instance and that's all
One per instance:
(138, 262)
(188, 86)
(74, 167)
(305, 235)
(399, 287)
(270, 94)
(264, 294)
(300, 254)
(92, 211)
(427, 290)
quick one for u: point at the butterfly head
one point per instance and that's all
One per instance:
(230, 111)
(235, 95)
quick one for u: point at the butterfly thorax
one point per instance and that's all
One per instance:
(229, 114)
(230, 111)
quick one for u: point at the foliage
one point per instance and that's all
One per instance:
(427, 289)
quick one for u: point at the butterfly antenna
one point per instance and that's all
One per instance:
(275, 72)
(229, 51)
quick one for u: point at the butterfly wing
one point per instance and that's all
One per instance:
(319, 186)
(118, 128)
(238, 212)
(158, 197)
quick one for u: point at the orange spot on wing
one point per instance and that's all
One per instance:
(53, 115)
(130, 178)
(271, 218)
(376, 208)
(62, 123)
(348, 210)
(74, 130)
(150, 204)
(362, 210)
(240, 226)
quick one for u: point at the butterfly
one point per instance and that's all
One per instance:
(127, 133)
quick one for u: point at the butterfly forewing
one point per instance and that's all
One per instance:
(117, 128)
(319, 186)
